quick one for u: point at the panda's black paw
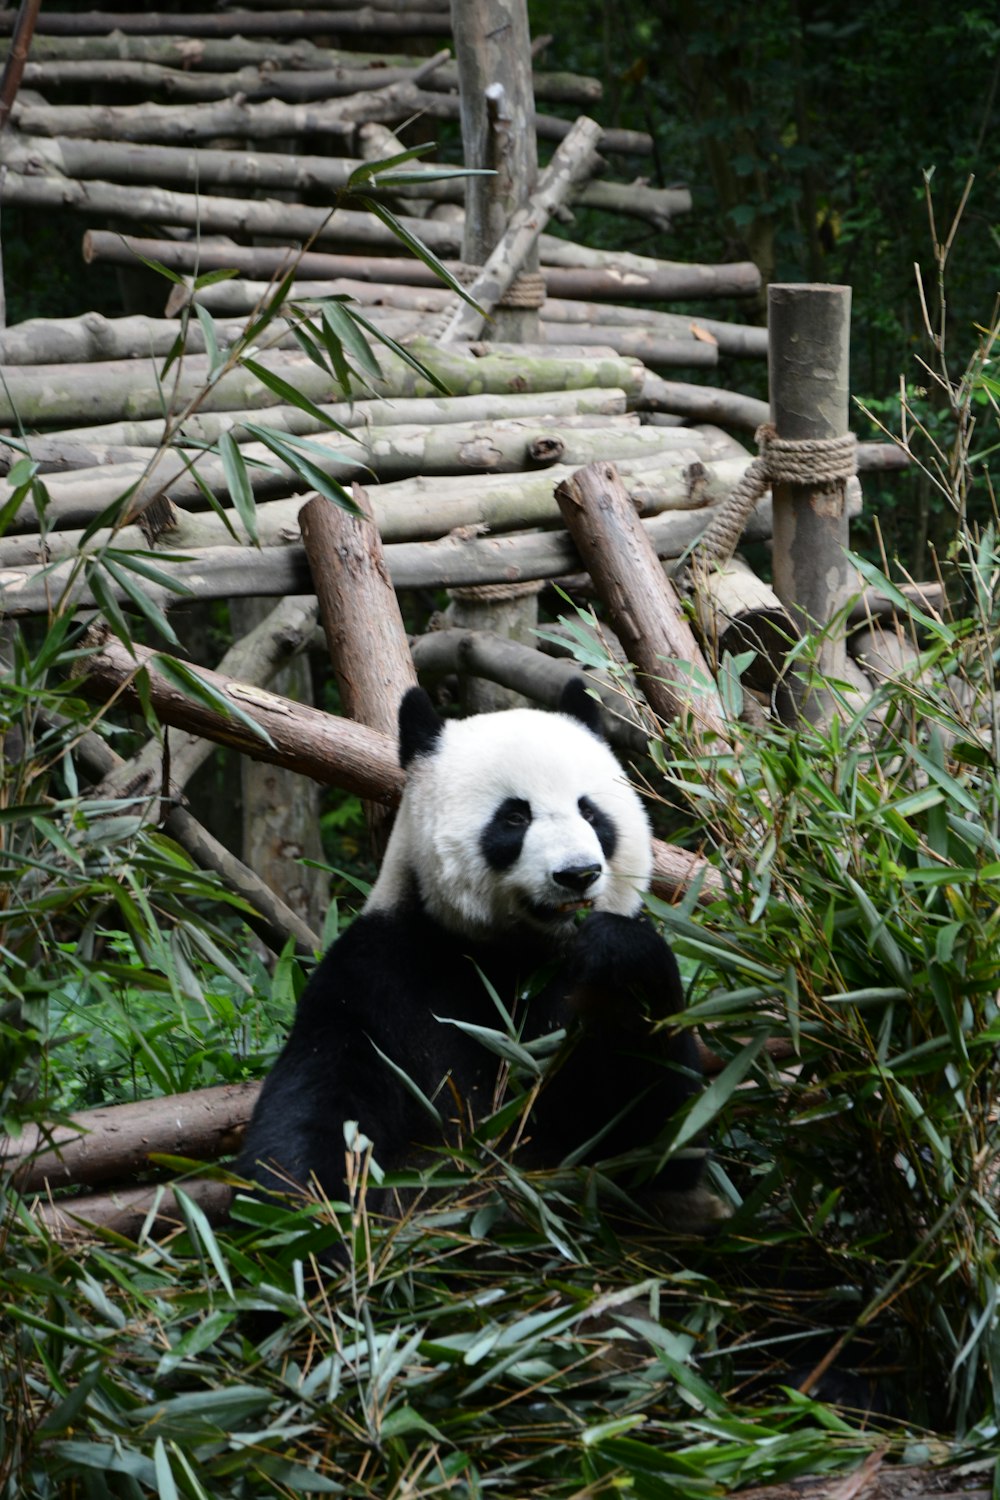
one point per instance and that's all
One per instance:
(619, 955)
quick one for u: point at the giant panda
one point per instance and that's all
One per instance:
(519, 850)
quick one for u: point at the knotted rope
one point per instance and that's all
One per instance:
(821, 463)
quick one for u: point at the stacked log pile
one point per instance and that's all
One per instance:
(146, 429)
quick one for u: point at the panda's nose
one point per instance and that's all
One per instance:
(577, 878)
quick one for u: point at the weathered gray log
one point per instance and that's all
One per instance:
(62, 395)
(597, 407)
(645, 612)
(672, 281)
(737, 611)
(741, 340)
(702, 403)
(639, 343)
(102, 1145)
(394, 453)
(418, 509)
(257, 82)
(573, 160)
(455, 561)
(244, 217)
(272, 119)
(809, 330)
(362, 19)
(332, 751)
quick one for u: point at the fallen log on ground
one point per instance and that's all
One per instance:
(115, 1142)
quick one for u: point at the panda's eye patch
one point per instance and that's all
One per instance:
(503, 836)
(602, 825)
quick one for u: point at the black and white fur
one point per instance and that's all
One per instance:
(511, 824)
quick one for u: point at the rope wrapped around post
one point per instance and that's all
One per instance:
(820, 463)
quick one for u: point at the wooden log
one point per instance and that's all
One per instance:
(45, 395)
(457, 560)
(365, 634)
(214, 215)
(272, 119)
(78, 495)
(573, 161)
(330, 75)
(736, 612)
(646, 614)
(126, 1210)
(809, 330)
(17, 57)
(496, 110)
(335, 752)
(362, 20)
(114, 1142)
(671, 281)
(594, 406)
(702, 403)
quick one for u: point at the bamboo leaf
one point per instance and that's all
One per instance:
(238, 484)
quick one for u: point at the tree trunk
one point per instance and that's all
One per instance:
(104, 1145)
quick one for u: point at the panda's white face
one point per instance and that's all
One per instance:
(512, 818)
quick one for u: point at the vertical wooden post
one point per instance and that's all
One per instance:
(808, 362)
(493, 52)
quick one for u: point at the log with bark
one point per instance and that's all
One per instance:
(106, 1145)
(361, 20)
(597, 407)
(644, 611)
(62, 395)
(76, 496)
(458, 560)
(335, 752)
(273, 119)
(668, 281)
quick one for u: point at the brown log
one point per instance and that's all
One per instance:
(645, 612)
(126, 1210)
(365, 634)
(102, 1145)
(17, 56)
(333, 751)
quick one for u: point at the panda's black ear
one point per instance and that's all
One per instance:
(576, 701)
(419, 725)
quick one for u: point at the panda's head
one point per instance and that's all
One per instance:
(514, 818)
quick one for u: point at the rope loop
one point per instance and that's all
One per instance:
(526, 290)
(820, 463)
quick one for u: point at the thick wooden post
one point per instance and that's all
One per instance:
(493, 52)
(808, 357)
